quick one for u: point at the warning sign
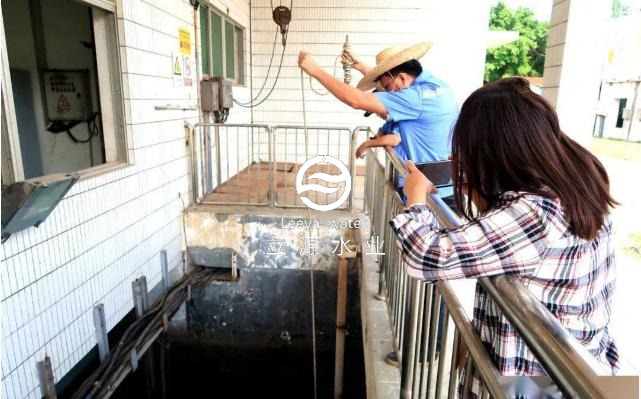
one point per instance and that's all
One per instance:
(182, 70)
(177, 66)
(63, 105)
(184, 39)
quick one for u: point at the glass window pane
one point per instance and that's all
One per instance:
(204, 40)
(216, 26)
(230, 68)
(240, 55)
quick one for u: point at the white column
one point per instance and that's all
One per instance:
(574, 62)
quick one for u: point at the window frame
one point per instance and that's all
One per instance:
(109, 75)
(238, 45)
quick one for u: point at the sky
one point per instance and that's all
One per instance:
(542, 8)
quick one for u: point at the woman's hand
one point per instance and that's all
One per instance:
(417, 186)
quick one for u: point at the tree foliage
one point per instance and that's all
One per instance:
(523, 57)
(619, 9)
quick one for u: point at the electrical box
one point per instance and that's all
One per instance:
(209, 96)
(215, 94)
(225, 94)
(67, 95)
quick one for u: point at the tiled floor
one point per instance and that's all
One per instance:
(251, 186)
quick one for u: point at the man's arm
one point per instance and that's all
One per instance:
(381, 140)
(349, 95)
(356, 62)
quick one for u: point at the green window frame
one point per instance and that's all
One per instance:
(221, 46)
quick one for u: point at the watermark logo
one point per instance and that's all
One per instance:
(343, 177)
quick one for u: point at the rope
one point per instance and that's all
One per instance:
(311, 269)
(311, 86)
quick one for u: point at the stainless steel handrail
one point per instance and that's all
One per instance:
(307, 130)
(567, 362)
(201, 166)
(205, 164)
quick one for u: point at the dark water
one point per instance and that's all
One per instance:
(253, 338)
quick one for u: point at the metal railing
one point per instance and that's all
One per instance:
(418, 310)
(294, 145)
(235, 160)
(254, 164)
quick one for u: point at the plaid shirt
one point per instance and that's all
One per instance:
(528, 237)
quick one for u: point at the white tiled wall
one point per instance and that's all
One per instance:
(109, 229)
(320, 26)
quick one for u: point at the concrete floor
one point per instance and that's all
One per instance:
(625, 218)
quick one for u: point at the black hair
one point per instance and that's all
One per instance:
(508, 138)
(411, 67)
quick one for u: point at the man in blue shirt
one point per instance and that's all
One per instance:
(419, 109)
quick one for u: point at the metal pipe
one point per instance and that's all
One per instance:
(341, 301)
(191, 133)
(197, 61)
(563, 357)
(477, 351)
(440, 373)
(409, 346)
(451, 389)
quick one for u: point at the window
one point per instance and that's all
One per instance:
(222, 47)
(622, 103)
(62, 110)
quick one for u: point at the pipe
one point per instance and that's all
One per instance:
(341, 301)
(197, 60)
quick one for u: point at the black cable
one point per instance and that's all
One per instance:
(271, 59)
(57, 127)
(282, 54)
(273, 86)
(138, 333)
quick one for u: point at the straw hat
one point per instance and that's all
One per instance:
(391, 58)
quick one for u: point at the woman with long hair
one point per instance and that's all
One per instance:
(536, 204)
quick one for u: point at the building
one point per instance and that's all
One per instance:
(131, 72)
(619, 113)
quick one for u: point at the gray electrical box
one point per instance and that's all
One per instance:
(67, 95)
(209, 96)
(225, 94)
(215, 94)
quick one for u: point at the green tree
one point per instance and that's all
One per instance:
(619, 9)
(525, 56)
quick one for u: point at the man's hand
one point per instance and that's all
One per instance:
(307, 63)
(361, 150)
(417, 186)
(356, 62)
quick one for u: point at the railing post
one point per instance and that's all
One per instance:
(382, 260)
(409, 344)
(101, 331)
(271, 158)
(352, 170)
(47, 380)
(190, 131)
(164, 269)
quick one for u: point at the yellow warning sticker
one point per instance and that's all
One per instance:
(177, 67)
(184, 39)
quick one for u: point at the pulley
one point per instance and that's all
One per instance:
(282, 16)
